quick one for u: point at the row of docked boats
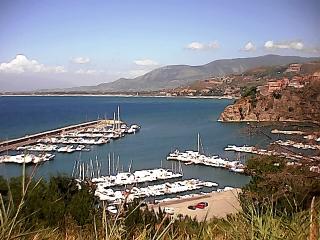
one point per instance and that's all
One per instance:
(113, 196)
(258, 151)
(26, 158)
(71, 141)
(290, 143)
(78, 140)
(196, 157)
(139, 176)
(192, 195)
(40, 147)
(314, 136)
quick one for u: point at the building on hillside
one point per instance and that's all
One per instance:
(294, 68)
(277, 85)
(263, 90)
(297, 82)
(315, 76)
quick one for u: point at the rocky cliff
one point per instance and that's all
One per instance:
(301, 105)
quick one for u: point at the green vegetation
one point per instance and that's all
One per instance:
(288, 189)
(275, 206)
(251, 93)
(267, 72)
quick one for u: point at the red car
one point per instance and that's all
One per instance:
(205, 203)
(200, 205)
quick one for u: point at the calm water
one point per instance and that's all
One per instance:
(167, 123)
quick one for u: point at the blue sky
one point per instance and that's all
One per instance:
(86, 42)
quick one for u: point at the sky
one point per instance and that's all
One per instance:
(58, 43)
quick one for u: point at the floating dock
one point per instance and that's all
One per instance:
(12, 144)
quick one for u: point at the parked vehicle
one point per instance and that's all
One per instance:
(169, 210)
(200, 205)
(192, 207)
(205, 203)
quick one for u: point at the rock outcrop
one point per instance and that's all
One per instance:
(300, 105)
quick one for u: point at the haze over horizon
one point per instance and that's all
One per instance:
(58, 44)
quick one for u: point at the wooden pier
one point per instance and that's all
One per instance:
(12, 144)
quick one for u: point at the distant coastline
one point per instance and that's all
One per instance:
(115, 95)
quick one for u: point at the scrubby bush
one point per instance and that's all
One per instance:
(287, 188)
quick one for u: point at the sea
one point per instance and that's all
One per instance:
(166, 124)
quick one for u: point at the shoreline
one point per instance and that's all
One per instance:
(117, 95)
(267, 121)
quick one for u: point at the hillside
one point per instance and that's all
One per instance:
(290, 104)
(234, 84)
(179, 75)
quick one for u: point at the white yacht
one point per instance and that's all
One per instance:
(196, 157)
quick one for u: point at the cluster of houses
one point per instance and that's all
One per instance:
(215, 86)
(295, 81)
(230, 85)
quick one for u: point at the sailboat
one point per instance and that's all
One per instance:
(188, 156)
(198, 157)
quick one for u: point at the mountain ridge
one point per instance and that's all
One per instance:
(172, 76)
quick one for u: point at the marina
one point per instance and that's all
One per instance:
(139, 176)
(168, 188)
(196, 157)
(26, 158)
(31, 139)
(68, 139)
(160, 120)
(119, 186)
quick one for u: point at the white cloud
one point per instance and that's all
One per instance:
(249, 47)
(88, 71)
(294, 45)
(145, 62)
(21, 64)
(195, 46)
(203, 46)
(81, 60)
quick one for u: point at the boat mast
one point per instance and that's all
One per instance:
(91, 170)
(118, 117)
(198, 143)
(130, 166)
(109, 159)
(112, 163)
(80, 169)
(118, 164)
(74, 167)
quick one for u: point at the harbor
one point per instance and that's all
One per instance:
(145, 149)
(40, 147)
(33, 138)
(150, 185)
(128, 194)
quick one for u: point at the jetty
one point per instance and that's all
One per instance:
(288, 155)
(13, 144)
